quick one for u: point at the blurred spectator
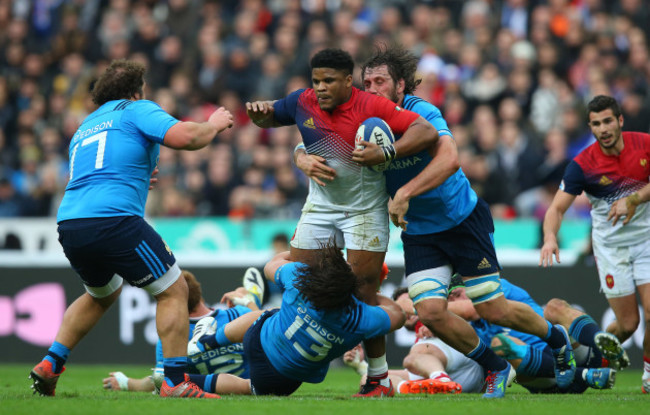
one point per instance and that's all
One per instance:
(510, 76)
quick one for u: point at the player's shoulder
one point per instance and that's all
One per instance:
(141, 105)
(589, 154)
(417, 104)
(636, 138)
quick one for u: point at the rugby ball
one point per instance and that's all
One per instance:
(375, 130)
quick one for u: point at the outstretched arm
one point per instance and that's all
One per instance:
(552, 221)
(119, 381)
(395, 312)
(276, 262)
(261, 113)
(193, 136)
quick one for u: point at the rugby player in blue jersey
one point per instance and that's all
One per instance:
(101, 225)
(320, 319)
(446, 229)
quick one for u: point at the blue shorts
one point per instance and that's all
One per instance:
(100, 248)
(265, 379)
(468, 247)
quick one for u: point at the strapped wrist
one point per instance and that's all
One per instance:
(389, 152)
(634, 199)
(122, 380)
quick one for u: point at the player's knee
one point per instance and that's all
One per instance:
(409, 362)
(628, 326)
(494, 313)
(482, 290)
(423, 289)
(431, 313)
(554, 309)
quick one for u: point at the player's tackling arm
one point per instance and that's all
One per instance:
(395, 313)
(193, 136)
(276, 262)
(552, 221)
(443, 164)
(419, 136)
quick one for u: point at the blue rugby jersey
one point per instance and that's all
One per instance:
(301, 341)
(112, 156)
(441, 208)
(226, 359)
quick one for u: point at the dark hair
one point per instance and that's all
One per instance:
(603, 102)
(333, 58)
(328, 283)
(401, 64)
(398, 292)
(195, 296)
(121, 80)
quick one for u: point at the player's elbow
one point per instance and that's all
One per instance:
(188, 136)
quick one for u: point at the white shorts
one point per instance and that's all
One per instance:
(365, 231)
(621, 269)
(460, 368)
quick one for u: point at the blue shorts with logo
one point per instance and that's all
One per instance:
(99, 248)
(468, 247)
(265, 379)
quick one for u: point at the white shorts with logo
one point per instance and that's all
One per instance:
(365, 231)
(460, 368)
(621, 269)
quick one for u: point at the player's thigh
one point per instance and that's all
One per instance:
(470, 245)
(644, 295)
(315, 229)
(265, 379)
(641, 271)
(615, 270)
(104, 250)
(365, 231)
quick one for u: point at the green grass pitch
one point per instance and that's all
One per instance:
(79, 392)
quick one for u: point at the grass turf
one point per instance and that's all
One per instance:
(80, 392)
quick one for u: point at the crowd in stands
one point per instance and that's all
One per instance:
(511, 77)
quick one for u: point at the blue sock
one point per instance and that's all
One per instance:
(486, 357)
(584, 330)
(537, 363)
(554, 337)
(57, 354)
(206, 382)
(175, 368)
(216, 340)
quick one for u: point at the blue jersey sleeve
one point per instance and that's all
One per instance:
(573, 181)
(375, 321)
(285, 108)
(285, 275)
(149, 120)
(432, 114)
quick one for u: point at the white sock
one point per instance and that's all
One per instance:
(440, 375)
(378, 368)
